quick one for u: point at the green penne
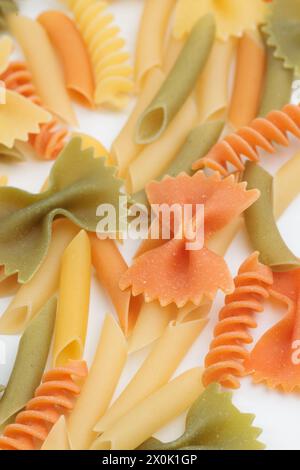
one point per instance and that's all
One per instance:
(261, 224)
(197, 145)
(179, 83)
(278, 85)
(29, 364)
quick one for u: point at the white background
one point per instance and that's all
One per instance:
(276, 413)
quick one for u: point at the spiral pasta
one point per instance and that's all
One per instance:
(261, 133)
(54, 397)
(51, 138)
(224, 362)
(112, 72)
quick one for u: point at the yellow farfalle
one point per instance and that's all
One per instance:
(233, 17)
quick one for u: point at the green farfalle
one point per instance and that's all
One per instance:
(6, 7)
(283, 30)
(213, 423)
(78, 184)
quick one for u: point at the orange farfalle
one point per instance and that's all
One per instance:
(275, 359)
(225, 361)
(54, 397)
(171, 272)
(260, 133)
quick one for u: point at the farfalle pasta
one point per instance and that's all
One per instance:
(78, 183)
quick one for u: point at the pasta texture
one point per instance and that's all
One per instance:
(73, 302)
(249, 77)
(42, 63)
(182, 275)
(104, 374)
(225, 361)
(34, 294)
(141, 422)
(213, 410)
(233, 17)
(261, 133)
(10, 153)
(109, 265)
(112, 74)
(155, 372)
(6, 48)
(151, 38)
(69, 44)
(57, 438)
(50, 139)
(261, 224)
(53, 397)
(275, 358)
(178, 84)
(29, 364)
(78, 184)
(6, 7)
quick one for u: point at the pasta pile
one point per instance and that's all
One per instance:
(192, 139)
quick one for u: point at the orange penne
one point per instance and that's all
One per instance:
(250, 69)
(110, 265)
(70, 47)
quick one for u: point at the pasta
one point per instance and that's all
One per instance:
(179, 83)
(6, 7)
(152, 161)
(278, 85)
(171, 53)
(261, 224)
(112, 74)
(57, 438)
(10, 153)
(43, 64)
(155, 372)
(18, 125)
(109, 266)
(261, 132)
(225, 361)
(73, 302)
(34, 294)
(213, 410)
(53, 397)
(188, 275)
(280, 28)
(6, 47)
(286, 185)
(103, 376)
(50, 139)
(90, 142)
(29, 364)
(151, 36)
(196, 145)
(124, 148)
(142, 421)
(78, 184)
(233, 17)
(274, 359)
(212, 86)
(68, 43)
(250, 72)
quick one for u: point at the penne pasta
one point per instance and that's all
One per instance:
(43, 64)
(158, 409)
(171, 54)
(99, 386)
(179, 83)
(73, 304)
(286, 185)
(6, 48)
(57, 438)
(151, 37)
(70, 47)
(29, 364)
(249, 76)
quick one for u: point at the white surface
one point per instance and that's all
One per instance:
(277, 414)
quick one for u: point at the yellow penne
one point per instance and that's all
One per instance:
(34, 294)
(212, 89)
(124, 148)
(73, 303)
(99, 386)
(155, 372)
(44, 66)
(58, 438)
(286, 185)
(172, 51)
(152, 161)
(158, 409)
(151, 36)
(6, 48)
